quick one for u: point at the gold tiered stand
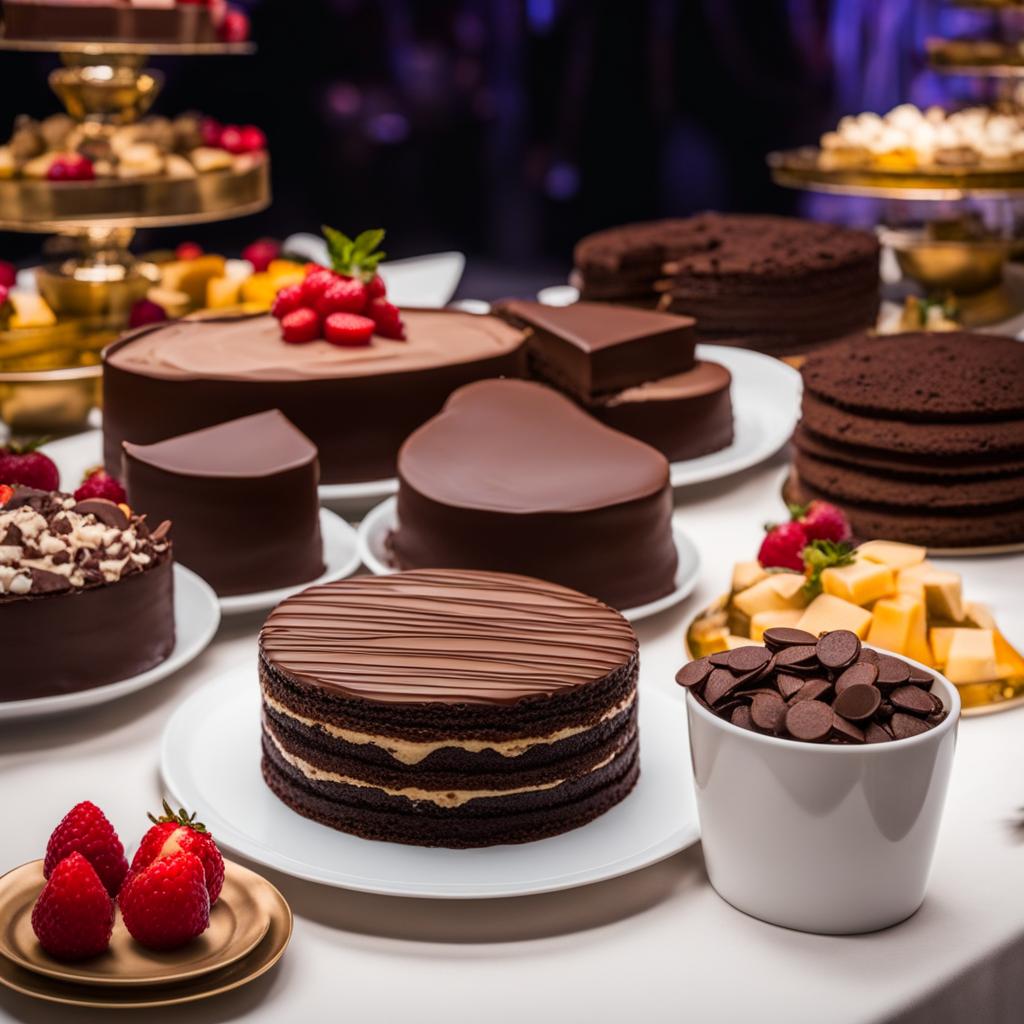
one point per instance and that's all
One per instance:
(49, 376)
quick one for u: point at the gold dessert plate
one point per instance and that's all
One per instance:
(240, 922)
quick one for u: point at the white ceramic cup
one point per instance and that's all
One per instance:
(826, 838)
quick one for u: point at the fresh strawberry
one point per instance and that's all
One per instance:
(345, 295)
(166, 904)
(252, 139)
(387, 319)
(287, 299)
(144, 312)
(8, 274)
(261, 253)
(348, 329)
(300, 326)
(71, 167)
(231, 139)
(316, 282)
(210, 129)
(782, 547)
(97, 483)
(188, 251)
(180, 832)
(23, 464)
(73, 915)
(85, 829)
(235, 26)
(6, 493)
(823, 521)
(375, 287)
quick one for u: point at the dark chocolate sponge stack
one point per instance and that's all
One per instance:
(919, 437)
(776, 284)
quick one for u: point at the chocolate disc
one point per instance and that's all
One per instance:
(105, 511)
(794, 656)
(784, 636)
(863, 673)
(788, 684)
(892, 671)
(813, 689)
(694, 673)
(921, 678)
(720, 684)
(748, 659)
(912, 699)
(767, 711)
(809, 720)
(876, 733)
(905, 726)
(868, 655)
(741, 717)
(720, 659)
(838, 648)
(845, 730)
(857, 703)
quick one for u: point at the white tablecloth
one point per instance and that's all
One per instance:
(654, 946)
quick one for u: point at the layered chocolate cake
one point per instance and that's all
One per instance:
(357, 405)
(776, 284)
(243, 499)
(919, 437)
(513, 477)
(86, 593)
(634, 369)
(448, 708)
(126, 21)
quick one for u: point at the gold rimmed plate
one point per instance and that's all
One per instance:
(249, 929)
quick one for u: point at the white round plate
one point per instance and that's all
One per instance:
(765, 408)
(76, 454)
(196, 618)
(210, 759)
(341, 558)
(383, 519)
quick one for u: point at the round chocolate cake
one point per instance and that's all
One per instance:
(776, 284)
(445, 708)
(357, 405)
(919, 437)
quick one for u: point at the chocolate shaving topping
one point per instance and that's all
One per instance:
(834, 691)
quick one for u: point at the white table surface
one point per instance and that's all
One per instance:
(655, 946)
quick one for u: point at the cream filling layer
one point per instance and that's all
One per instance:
(448, 798)
(413, 751)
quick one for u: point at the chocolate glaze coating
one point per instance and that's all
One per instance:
(356, 405)
(513, 477)
(182, 23)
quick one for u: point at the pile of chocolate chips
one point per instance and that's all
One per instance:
(826, 689)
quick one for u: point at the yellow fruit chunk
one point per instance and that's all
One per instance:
(911, 580)
(979, 614)
(890, 553)
(222, 292)
(261, 288)
(860, 582)
(285, 268)
(173, 303)
(761, 621)
(30, 310)
(898, 625)
(777, 591)
(972, 657)
(746, 574)
(943, 594)
(191, 276)
(827, 612)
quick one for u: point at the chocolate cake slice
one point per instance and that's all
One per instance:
(512, 476)
(243, 499)
(86, 593)
(446, 708)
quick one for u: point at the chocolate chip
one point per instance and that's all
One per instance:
(748, 659)
(863, 673)
(105, 511)
(45, 582)
(838, 648)
(912, 699)
(741, 717)
(858, 703)
(13, 537)
(795, 656)
(784, 636)
(809, 720)
(163, 529)
(61, 526)
(694, 673)
(905, 726)
(768, 711)
(720, 684)
(892, 671)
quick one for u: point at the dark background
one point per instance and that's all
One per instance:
(509, 128)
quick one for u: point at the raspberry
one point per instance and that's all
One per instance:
(98, 484)
(348, 329)
(300, 326)
(822, 521)
(188, 251)
(74, 915)
(144, 312)
(252, 139)
(387, 319)
(287, 299)
(235, 26)
(8, 274)
(71, 167)
(231, 139)
(782, 547)
(316, 282)
(85, 829)
(375, 287)
(210, 130)
(166, 904)
(345, 295)
(261, 252)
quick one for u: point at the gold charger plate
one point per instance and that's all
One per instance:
(178, 984)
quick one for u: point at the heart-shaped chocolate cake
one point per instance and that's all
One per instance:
(513, 477)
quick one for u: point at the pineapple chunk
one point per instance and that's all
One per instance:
(827, 612)
(222, 292)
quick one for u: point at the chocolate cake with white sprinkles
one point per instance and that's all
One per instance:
(448, 708)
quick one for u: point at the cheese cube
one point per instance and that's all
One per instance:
(777, 591)
(761, 621)
(972, 657)
(979, 614)
(223, 292)
(827, 612)
(746, 574)
(943, 595)
(911, 580)
(895, 620)
(190, 276)
(890, 553)
(861, 582)
(941, 637)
